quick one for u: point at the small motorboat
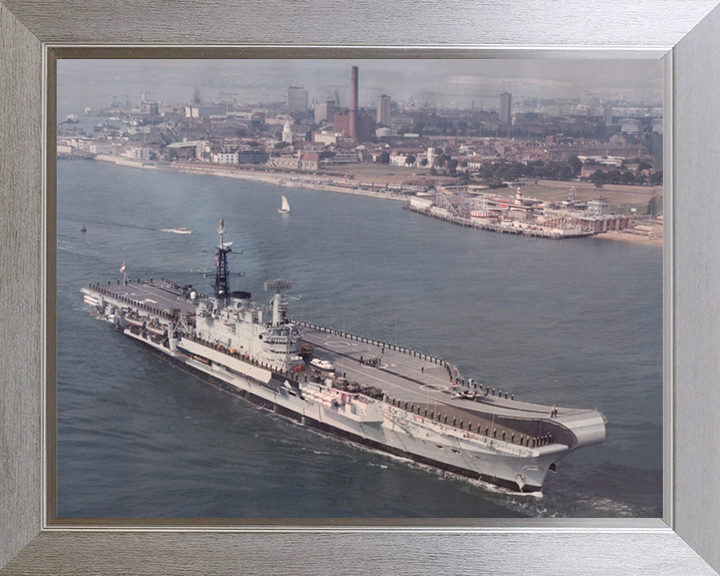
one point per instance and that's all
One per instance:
(322, 365)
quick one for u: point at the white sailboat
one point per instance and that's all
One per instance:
(285, 207)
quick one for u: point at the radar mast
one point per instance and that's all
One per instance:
(222, 273)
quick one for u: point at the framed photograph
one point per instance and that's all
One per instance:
(660, 532)
(366, 208)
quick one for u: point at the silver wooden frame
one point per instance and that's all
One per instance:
(684, 33)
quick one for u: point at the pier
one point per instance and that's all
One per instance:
(536, 231)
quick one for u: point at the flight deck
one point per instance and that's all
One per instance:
(161, 297)
(432, 387)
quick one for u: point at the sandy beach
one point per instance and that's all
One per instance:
(656, 240)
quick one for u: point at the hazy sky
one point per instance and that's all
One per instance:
(434, 80)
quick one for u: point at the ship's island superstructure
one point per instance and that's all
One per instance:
(378, 394)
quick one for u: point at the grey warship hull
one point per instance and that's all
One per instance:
(387, 397)
(328, 428)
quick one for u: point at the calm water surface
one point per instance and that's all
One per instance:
(139, 438)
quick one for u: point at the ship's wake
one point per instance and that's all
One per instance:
(407, 462)
(548, 504)
(184, 231)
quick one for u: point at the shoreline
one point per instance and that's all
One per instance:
(279, 179)
(315, 182)
(657, 240)
(288, 182)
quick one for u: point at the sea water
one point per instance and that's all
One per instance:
(137, 437)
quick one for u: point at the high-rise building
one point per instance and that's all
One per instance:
(383, 110)
(505, 113)
(608, 115)
(325, 111)
(297, 100)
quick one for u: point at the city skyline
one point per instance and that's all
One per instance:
(443, 83)
(269, 120)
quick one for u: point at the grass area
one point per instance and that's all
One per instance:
(384, 173)
(555, 190)
(379, 170)
(622, 196)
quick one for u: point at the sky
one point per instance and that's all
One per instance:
(444, 82)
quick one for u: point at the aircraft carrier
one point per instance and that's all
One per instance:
(389, 397)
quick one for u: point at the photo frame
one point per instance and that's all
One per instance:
(684, 541)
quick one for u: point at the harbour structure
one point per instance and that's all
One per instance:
(382, 395)
(519, 215)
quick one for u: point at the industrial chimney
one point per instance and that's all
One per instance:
(353, 102)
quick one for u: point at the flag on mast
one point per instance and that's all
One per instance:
(122, 268)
